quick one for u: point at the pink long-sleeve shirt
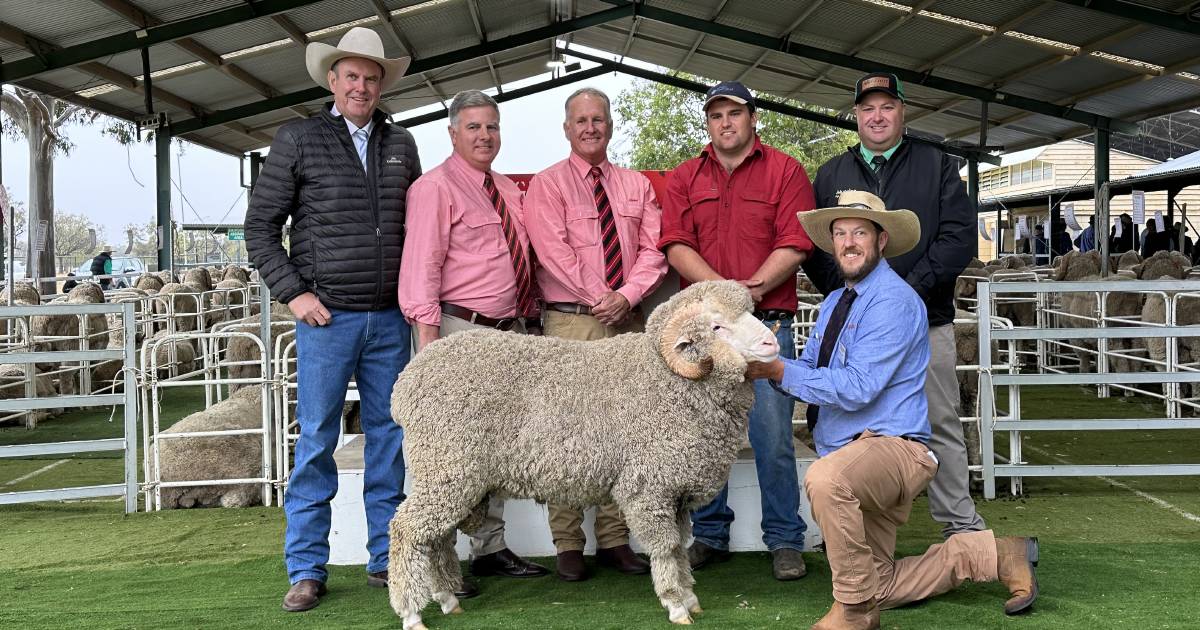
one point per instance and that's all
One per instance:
(564, 229)
(454, 245)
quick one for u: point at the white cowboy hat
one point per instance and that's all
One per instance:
(902, 226)
(107, 248)
(357, 42)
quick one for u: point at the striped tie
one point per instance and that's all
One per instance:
(613, 275)
(520, 266)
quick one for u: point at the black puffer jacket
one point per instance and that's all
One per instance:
(347, 225)
(918, 177)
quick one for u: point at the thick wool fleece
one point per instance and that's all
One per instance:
(225, 457)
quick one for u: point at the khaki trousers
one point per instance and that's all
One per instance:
(860, 495)
(949, 493)
(489, 538)
(566, 523)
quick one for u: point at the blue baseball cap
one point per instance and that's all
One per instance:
(732, 90)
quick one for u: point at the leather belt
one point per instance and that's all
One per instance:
(472, 317)
(578, 309)
(902, 437)
(774, 313)
(568, 307)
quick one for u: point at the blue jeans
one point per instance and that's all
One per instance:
(373, 347)
(775, 461)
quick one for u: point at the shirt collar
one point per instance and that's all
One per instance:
(351, 126)
(464, 169)
(711, 153)
(582, 167)
(868, 154)
(866, 285)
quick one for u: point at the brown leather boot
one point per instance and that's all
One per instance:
(622, 559)
(863, 616)
(1015, 559)
(303, 595)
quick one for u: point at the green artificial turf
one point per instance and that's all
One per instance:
(1110, 558)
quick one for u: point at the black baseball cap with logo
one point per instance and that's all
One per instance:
(878, 82)
(732, 90)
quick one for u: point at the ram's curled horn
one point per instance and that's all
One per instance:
(670, 346)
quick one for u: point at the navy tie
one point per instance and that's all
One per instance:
(833, 329)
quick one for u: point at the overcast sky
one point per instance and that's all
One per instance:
(115, 185)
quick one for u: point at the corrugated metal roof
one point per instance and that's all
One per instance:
(923, 41)
(1191, 160)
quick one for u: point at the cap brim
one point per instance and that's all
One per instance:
(903, 227)
(319, 58)
(736, 99)
(890, 93)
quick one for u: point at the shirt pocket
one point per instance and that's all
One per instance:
(630, 223)
(756, 216)
(705, 212)
(583, 225)
(483, 233)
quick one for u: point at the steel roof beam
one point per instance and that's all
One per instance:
(409, 93)
(866, 65)
(295, 33)
(874, 37)
(998, 31)
(1021, 73)
(769, 105)
(787, 31)
(477, 21)
(1103, 89)
(417, 66)
(65, 57)
(804, 79)
(700, 38)
(118, 78)
(1184, 21)
(566, 79)
(141, 18)
(115, 111)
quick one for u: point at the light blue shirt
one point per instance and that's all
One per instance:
(360, 135)
(876, 375)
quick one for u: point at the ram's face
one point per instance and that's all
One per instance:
(746, 335)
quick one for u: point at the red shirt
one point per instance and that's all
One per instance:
(735, 220)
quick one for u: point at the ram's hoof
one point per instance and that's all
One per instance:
(696, 609)
(457, 610)
(686, 621)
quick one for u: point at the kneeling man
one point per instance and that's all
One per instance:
(863, 375)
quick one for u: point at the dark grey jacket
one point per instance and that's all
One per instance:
(347, 228)
(918, 177)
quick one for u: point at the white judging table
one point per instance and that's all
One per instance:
(526, 529)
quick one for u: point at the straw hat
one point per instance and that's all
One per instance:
(357, 42)
(107, 248)
(902, 226)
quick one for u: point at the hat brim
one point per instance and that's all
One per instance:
(319, 58)
(891, 93)
(736, 99)
(903, 227)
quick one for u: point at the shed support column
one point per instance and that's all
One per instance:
(256, 164)
(1100, 196)
(973, 191)
(999, 231)
(162, 172)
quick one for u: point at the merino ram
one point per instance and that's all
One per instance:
(651, 421)
(217, 457)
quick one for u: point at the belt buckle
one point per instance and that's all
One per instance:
(505, 323)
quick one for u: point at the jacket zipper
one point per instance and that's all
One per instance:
(373, 144)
